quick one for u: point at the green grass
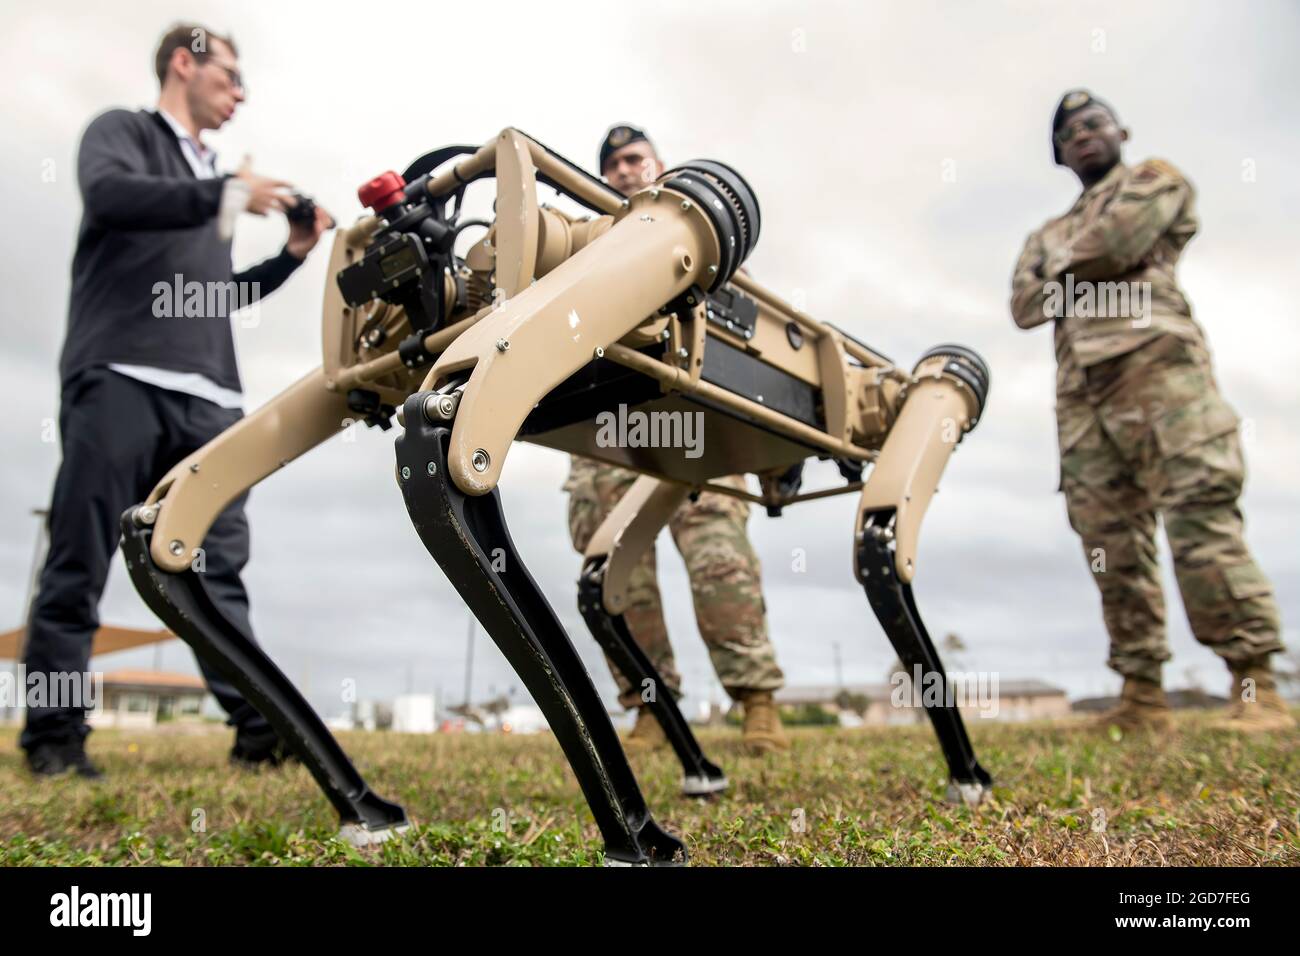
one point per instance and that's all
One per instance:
(864, 797)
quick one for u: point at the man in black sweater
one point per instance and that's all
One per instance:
(148, 368)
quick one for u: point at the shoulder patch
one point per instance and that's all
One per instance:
(1153, 169)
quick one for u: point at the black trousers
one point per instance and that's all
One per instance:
(119, 436)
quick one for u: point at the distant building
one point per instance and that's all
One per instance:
(885, 704)
(340, 722)
(1188, 699)
(371, 715)
(415, 714)
(145, 698)
(711, 714)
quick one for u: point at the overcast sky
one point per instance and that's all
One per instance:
(900, 154)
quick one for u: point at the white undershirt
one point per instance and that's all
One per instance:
(234, 199)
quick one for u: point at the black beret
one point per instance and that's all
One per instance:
(618, 137)
(1071, 103)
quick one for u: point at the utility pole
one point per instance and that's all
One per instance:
(33, 584)
(469, 658)
(839, 666)
(34, 576)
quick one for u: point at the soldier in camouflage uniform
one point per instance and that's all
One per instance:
(709, 533)
(1143, 429)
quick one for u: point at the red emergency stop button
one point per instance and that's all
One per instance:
(382, 191)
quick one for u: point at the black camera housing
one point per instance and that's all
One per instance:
(304, 212)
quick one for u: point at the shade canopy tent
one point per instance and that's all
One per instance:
(107, 640)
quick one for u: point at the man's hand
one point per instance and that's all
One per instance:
(264, 195)
(303, 236)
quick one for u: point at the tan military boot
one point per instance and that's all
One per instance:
(1142, 706)
(1266, 712)
(762, 732)
(646, 734)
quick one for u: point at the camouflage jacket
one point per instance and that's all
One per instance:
(1104, 271)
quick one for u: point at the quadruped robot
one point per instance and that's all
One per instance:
(547, 322)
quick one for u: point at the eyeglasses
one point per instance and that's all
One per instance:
(235, 77)
(1091, 124)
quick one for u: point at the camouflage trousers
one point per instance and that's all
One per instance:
(1148, 435)
(725, 582)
